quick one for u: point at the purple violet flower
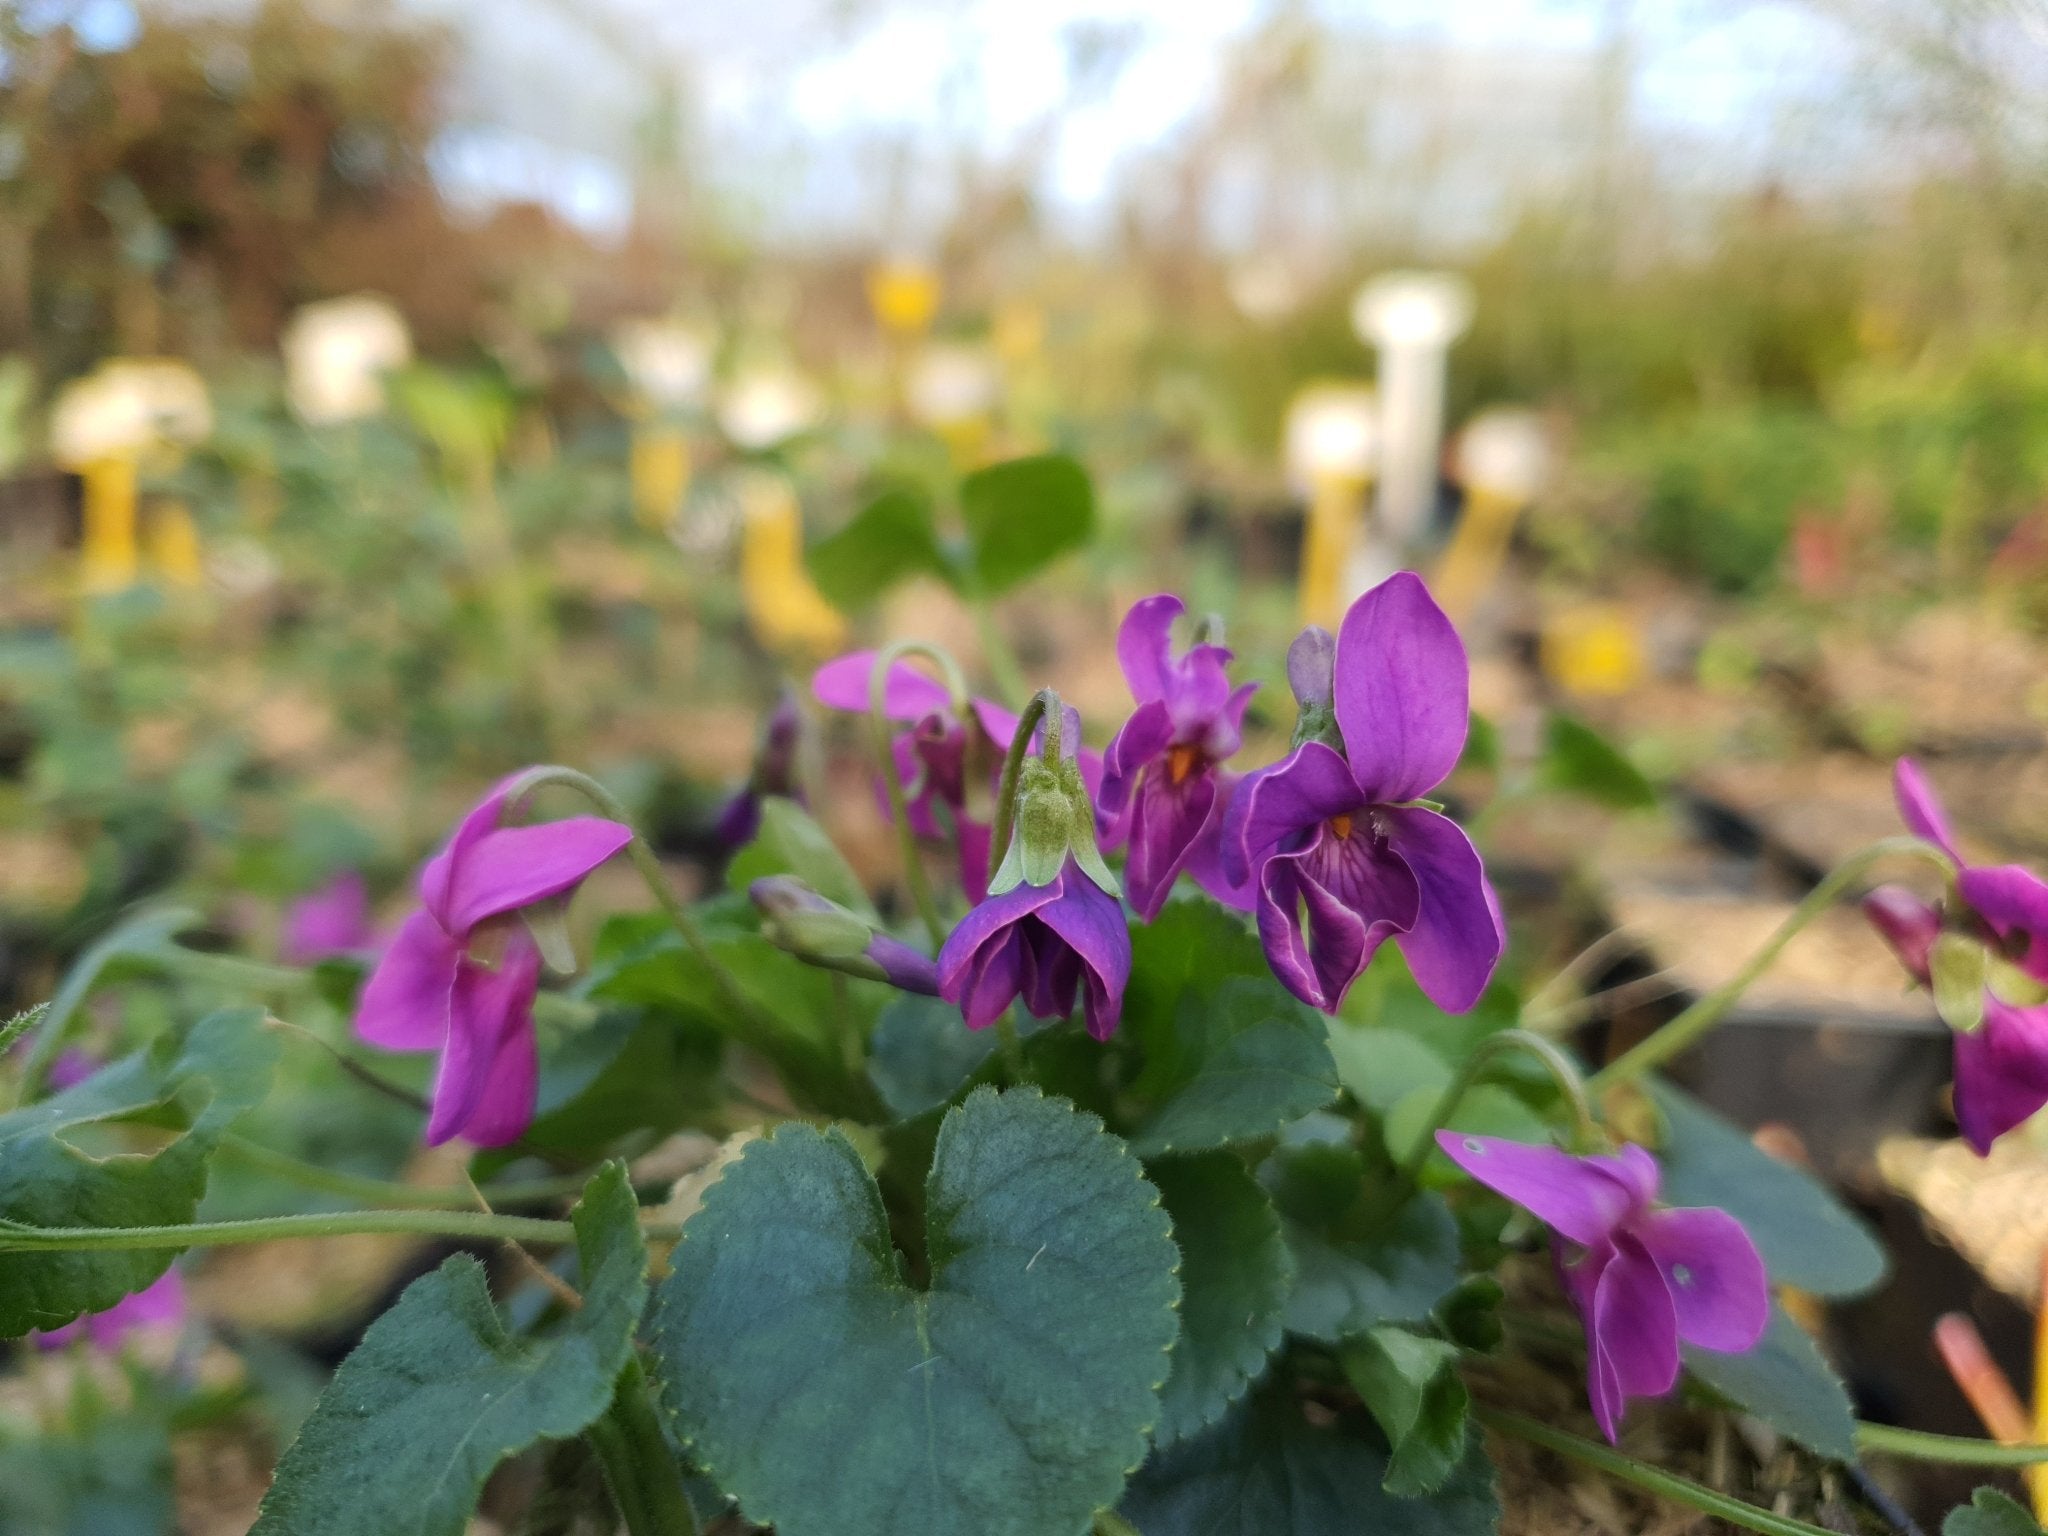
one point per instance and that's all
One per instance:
(774, 773)
(1164, 789)
(460, 977)
(2001, 1067)
(157, 1306)
(1041, 943)
(1644, 1278)
(938, 752)
(1336, 840)
(334, 920)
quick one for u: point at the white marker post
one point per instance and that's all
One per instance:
(1411, 318)
(1332, 449)
(1502, 460)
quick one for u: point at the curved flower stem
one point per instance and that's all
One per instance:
(1585, 1130)
(644, 860)
(892, 778)
(638, 1465)
(1694, 1021)
(1044, 707)
(350, 1186)
(144, 939)
(1669, 1485)
(18, 1237)
(1955, 1450)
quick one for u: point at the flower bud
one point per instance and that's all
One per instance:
(821, 932)
(1311, 674)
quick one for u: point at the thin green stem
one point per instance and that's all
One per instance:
(367, 1075)
(638, 1464)
(656, 878)
(350, 1186)
(1585, 1130)
(16, 1237)
(1044, 707)
(1693, 1022)
(881, 731)
(995, 649)
(1955, 1450)
(1668, 1485)
(143, 930)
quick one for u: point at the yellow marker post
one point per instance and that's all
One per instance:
(953, 390)
(107, 559)
(174, 545)
(667, 363)
(784, 607)
(105, 427)
(1593, 651)
(904, 295)
(1332, 447)
(660, 472)
(1502, 459)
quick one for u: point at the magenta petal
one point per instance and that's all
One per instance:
(1144, 644)
(2001, 1072)
(1582, 1198)
(989, 921)
(1167, 821)
(1401, 691)
(404, 1006)
(1136, 747)
(1279, 803)
(1633, 1334)
(994, 976)
(1318, 961)
(438, 873)
(1716, 1277)
(2014, 901)
(511, 1085)
(334, 920)
(1920, 808)
(1458, 935)
(1205, 860)
(909, 694)
(515, 867)
(1091, 923)
(490, 1007)
(1905, 922)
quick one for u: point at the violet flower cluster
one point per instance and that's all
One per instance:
(2001, 1065)
(1334, 847)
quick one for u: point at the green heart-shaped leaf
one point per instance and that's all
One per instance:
(1808, 1239)
(1785, 1382)
(1009, 1397)
(1240, 1062)
(438, 1393)
(1395, 1274)
(1023, 514)
(1265, 1471)
(1990, 1513)
(891, 538)
(1235, 1273)
(195, 1085)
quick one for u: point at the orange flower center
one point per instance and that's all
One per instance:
(1341, 825)
(1182, 761)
